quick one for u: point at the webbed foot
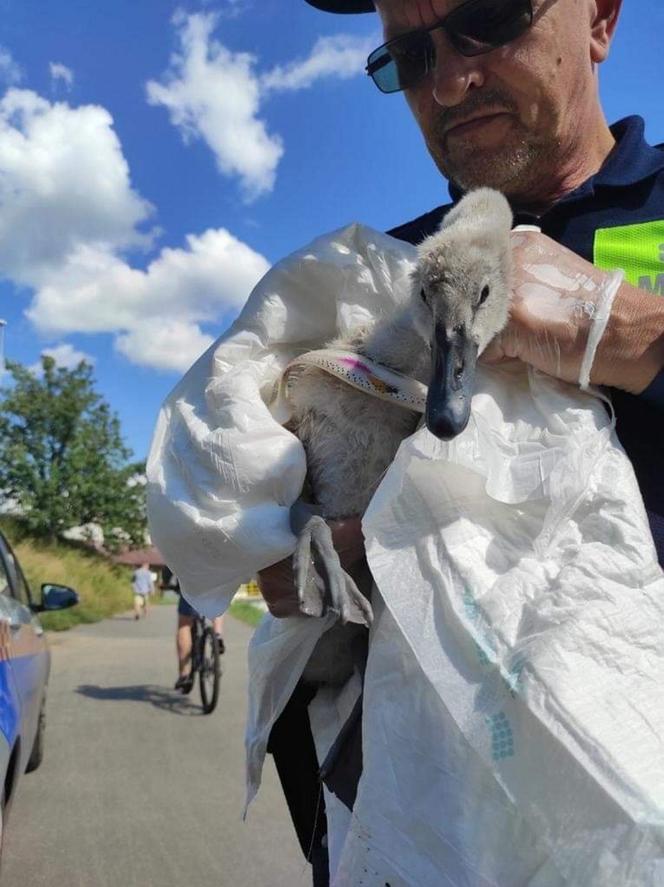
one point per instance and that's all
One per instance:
(322, 583)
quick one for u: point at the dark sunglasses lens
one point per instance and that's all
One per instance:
(473, 28)
(481, 26)
(402, 62)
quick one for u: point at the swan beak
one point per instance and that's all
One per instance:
(454, 358)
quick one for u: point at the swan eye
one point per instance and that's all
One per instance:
(484, 295)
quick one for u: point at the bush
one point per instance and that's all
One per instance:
(104, 588)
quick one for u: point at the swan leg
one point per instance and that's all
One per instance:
(315, 557)
(310, 586)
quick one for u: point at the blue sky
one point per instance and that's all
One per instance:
(157, 157)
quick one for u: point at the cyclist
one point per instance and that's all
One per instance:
(186, 616)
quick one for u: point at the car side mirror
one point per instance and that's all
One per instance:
(57, 597)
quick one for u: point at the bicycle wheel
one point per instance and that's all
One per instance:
(210, 671)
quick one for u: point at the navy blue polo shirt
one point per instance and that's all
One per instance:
(616, 220)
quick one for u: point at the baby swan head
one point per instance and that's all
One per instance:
(463, 279)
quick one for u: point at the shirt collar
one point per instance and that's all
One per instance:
(631, 160)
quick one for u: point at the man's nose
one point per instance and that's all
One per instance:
(454, 75)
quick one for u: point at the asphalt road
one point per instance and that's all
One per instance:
(137, 787)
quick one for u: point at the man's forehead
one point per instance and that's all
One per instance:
(403, 15)
(398, 16)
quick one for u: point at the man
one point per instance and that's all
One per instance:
(143, 586)
(523, 117)
(506, 95)
(509, 119)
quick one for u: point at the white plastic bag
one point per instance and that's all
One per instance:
(524, 595)
(512, 725)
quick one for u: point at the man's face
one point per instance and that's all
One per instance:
(508, 118)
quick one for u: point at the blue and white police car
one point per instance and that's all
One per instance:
(24, 670)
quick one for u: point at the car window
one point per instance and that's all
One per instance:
(15, 579)
(5, 588)
(21, 590)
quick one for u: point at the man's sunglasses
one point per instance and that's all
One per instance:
(474, 28)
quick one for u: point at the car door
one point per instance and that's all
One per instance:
(27, 653)
(10, 704)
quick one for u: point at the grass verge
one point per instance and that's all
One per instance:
(104, 588)
(246, 612)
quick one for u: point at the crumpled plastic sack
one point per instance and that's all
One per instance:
(222, 472)
(526, 602)
(513, 727)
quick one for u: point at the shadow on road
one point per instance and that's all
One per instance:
(160, 697)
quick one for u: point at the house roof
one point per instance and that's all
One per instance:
(134, 557)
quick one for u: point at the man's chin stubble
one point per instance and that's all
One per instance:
(515, 169)
(511, 172)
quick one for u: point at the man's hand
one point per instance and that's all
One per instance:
(277, 582)
(554, 301)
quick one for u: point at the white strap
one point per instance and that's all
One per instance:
(362, 373)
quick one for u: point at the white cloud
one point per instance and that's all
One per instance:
(63, 181)
(230, 8)
(155, 313)
(168, 345)
(213, 94)
(10, 72)
(64, 355)
(342, 56)
(96, 291)
(216, 95)
(68, 213)
(61, 72)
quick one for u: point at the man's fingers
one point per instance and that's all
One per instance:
(277, 586)
(348, 540)
(277, 583)
(283, 608)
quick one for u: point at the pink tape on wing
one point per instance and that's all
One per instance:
(355, 364)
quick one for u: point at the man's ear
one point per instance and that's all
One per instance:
(603, 26)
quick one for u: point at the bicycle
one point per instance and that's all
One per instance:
(206, 662)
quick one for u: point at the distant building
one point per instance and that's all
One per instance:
(134, 557)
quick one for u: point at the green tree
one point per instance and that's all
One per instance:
(62, 458)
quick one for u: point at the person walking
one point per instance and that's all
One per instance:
(142, 585)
